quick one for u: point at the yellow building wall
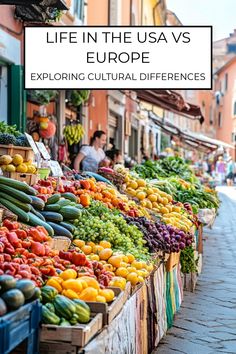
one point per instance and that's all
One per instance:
(154, 12)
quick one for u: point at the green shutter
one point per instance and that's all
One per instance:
(16, 98)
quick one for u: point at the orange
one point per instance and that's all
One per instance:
(125, 259)
(105, 253)
(108, 267)
(165, 201)
(124, 264)
(141, 182)
(137, 265)
(133, 184)
(164, 210)
(86, 249)
(122, 272)
(79, 243)
(115, 261)
(133, 278)
(119, 282)
(141, 195)
(94, 257)
(131, 269)
(91, 243)
(130, 257)
(97, 249)
(105, 244)
(152, 197)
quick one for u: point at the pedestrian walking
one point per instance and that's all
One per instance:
(220, 170)
(230, 172)
(90, 157)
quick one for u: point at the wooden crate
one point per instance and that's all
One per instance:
(172, 261)
(52, 337)
(110, 311)
(29, 178)
(26, 152)
(190, 281)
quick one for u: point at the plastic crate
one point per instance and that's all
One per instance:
(19, 325)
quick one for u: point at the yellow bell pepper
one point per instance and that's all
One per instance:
(70, 294)
(68, 274)
(54, 283)
(73, 284)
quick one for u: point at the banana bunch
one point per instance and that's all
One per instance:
(74, 133)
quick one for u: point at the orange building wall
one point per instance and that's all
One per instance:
(10, 25)
(125, 20)
(97, 12)
(225, 132)
(98, 111)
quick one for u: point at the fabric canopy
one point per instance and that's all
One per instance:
(191, 139)
(171, 101)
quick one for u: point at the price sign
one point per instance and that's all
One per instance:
(56, 169)
(44, 152)
(32, 143)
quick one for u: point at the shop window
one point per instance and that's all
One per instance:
(226, 82)
(234, 108)
(3, 93)
(220, 120)
(77, 9)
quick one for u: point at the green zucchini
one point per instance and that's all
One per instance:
(52, 207)
(69, 196)
(31, 191)
(23, 206)
(37, 213)
(22, 215)
(37, 203)
(52, 216)
(21, 186)
(63, 202)
(21, 196)
(53, 199)
(70, 213)
(60, 231)
(35, 221)
(68, 226)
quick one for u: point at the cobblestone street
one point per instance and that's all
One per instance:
(206, 322)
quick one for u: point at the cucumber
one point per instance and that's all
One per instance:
(52, 207)
(68, 226)
(37, 203)
(53, 199)
(20, 186)
(37, 213)
(70, 213)
(52, 216)
(31, 191)
(63, 202)
(69, 196)
(22, 215)
(19, 195)
(60, 231)
(23, 206)
(35, 221)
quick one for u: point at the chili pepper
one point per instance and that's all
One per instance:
(18, 260)
(37, 235)
(13, 239)
(42, 229)
(34, 270)
(8, 266)
(79, 259)
(59, 266)
(22, 234)
(47, 250)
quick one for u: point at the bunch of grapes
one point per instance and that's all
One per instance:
(113, 228)
(161, 237)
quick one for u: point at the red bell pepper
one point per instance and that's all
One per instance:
(79, 259)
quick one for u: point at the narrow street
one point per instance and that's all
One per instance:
(206, 322)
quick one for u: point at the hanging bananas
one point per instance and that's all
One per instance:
(74, 133)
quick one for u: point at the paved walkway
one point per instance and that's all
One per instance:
(206, 322)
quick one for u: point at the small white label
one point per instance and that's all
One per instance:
(44, 152)
(56, 169)
(32, 143)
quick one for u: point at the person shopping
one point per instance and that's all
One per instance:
(220, 170)
(230, 172)
(90, 157)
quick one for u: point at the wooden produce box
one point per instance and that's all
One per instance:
(172, 261)
(110, 311)
(53, 338)
(26, 152)
(29, 178)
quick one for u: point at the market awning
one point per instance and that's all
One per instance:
(171, 101)
(58, 4)
(217, 142)
(191, 139)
